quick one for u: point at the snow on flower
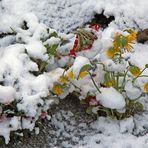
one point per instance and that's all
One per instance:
(111, 98)
(78, 64)
(131, 91)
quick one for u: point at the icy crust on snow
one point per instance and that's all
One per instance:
(65, 15)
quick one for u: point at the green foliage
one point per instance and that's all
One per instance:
(120, 40)
(51, 50)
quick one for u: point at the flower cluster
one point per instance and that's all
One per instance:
(110, 87)
(45, 66)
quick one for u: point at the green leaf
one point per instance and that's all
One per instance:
(107, 79)
(42, 66)
(54, 34)
(121, 41)
(89, 110)
(146, 65)
(84, 68)
(138, 107)
(51, 50)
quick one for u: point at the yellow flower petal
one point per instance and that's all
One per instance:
(57, 89)
(63, 79)
(109, 84)
(70, 74)
(111, 52)
(135, 71)
(146, 87)
(82, 74)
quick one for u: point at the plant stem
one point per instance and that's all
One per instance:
(123, 82)
(94, 82)
(112, 113)
(139, 74)
(117, 84)
(75, 85)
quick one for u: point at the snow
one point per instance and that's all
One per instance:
(67, 15)
(55, 74)
(127, 13)
(8, 125)
(78, 64)
(19, 83)
(131, 91)
(111, 98)
(7, 94)
(36, 50)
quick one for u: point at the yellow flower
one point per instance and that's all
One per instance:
(57, 89)
(121, 41)
(146, 87)
(135, 70)
(82, 74)
(132, 35)
(130, 39)
(70, 74)
(128, 47)
(109, 84)
(63, 79)
(111, 52)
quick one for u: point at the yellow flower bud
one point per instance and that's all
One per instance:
(111, 52)
(146, 87)
(57, 89)
(70, 74)
(82, 74)
(135, 71)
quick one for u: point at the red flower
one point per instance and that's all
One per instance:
(94, 75)
(72, 52)
(91, 100)
(94, 26)
(86, 47)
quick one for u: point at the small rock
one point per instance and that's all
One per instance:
(142, 36)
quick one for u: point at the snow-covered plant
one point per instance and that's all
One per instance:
(119, 91)
(25, 80)
(108, 87)
(84, 38)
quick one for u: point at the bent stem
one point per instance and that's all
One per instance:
(139, 74)
(94, 82)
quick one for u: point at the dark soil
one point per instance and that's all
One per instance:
(70, 113)
(102, 20)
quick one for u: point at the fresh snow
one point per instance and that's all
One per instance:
(78, 64)
(64, 16)
(111, 98)
(7, 94)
